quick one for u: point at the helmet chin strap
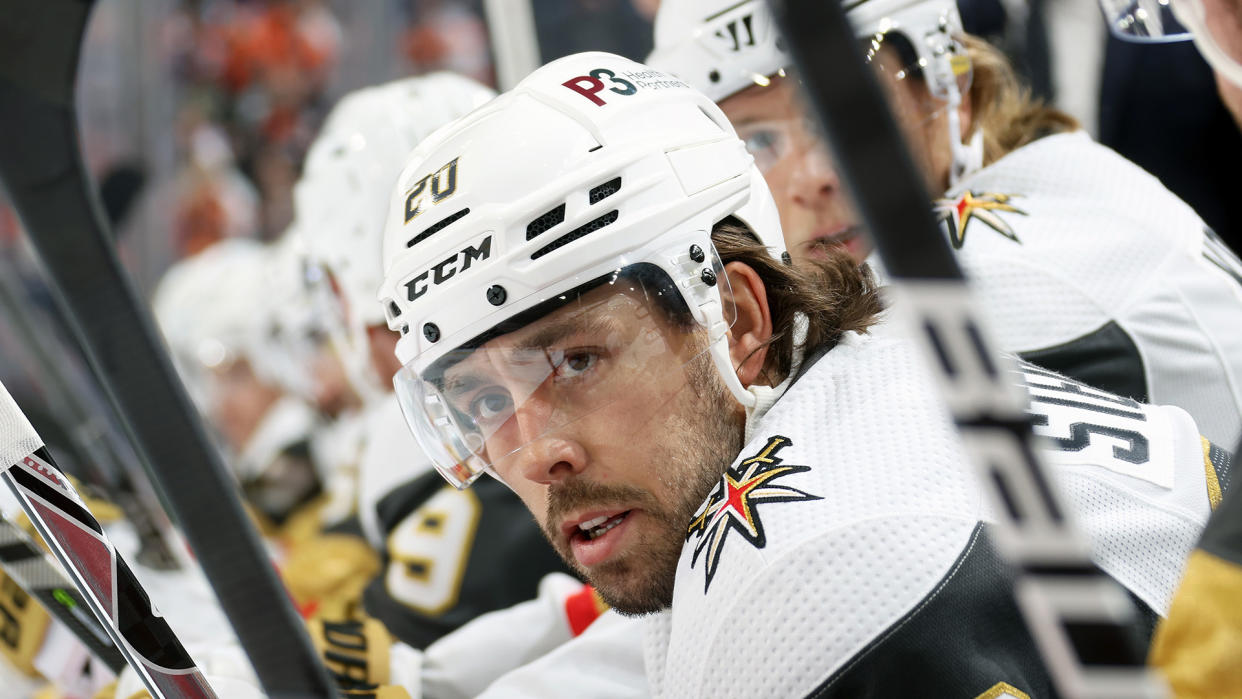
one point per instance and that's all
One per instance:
(967, 157)
(724, 365)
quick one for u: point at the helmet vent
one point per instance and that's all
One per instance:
(576, 233)
(545, 222)
(393, 309)
(605, 190)
(436, 228)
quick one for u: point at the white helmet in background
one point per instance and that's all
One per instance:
(592, 166)
(722, 47)
(343, 192)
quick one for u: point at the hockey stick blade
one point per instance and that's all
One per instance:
(107, 585)
(43, 170)
(1082, 621)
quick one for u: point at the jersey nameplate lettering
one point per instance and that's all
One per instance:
(1090, 427)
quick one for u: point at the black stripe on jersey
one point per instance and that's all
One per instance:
(1106, 358)
(1222, 537)
(1222, 463)
(962, 639)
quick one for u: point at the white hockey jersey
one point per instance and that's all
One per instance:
(1087, 265)
(849, 537)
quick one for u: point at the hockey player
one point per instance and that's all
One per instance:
(217, 312)
(441, 548)
(600, 315)
(1085, 264)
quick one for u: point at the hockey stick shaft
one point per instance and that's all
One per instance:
(63, 380)
(1081, 620)
(107, 584)
(38, 574)
(47, 180)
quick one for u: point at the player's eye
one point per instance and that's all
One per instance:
(576, 363)
(766, 144)
(488, 406)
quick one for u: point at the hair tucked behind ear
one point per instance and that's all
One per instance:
(836, 295)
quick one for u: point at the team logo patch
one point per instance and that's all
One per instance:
(956, 214)
(732, 505)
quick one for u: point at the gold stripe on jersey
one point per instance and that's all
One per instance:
(1213, 483)
(1196, 646)
(1004, 690)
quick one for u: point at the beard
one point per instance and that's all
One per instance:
(696, 443)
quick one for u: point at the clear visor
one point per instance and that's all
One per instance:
(1143, 20)
(1215, 25)
(594, 364)
(778, 143)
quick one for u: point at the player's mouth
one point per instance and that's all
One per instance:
(850, 238)
(596, 536)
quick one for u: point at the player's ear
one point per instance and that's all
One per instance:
(748, 338)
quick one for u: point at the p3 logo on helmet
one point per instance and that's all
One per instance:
(592, 84)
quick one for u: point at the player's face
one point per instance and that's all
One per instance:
(238, 401)
(816, 212)
(615, 485)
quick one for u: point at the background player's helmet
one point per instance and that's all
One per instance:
(722, 47)
(593, 166)
(344, 189)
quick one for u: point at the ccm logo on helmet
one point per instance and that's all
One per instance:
(591, 85)
(443, 184)
(443, 271)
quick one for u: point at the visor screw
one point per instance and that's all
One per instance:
(431, 332)
(786, 258)
(708, 277)
(696, 253)
(714, 76)
(496, 294)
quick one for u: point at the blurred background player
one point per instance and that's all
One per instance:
(216, 310)
(448, 555)
(1085, 264)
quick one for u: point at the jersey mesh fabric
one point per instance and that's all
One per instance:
(898, 505)
(1142, 533)
(1142, 518)
(1099, 240)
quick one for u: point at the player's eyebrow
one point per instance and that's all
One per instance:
(553, 332)
(556, 331)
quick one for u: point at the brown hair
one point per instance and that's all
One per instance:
(1004, 108)
(836, 296)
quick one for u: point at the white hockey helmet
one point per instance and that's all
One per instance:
(592, 166)
(342, 195)
(205, 306)
(722, 47)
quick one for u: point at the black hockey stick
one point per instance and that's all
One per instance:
(70, 393)
(46, 178)
(107, 585)
(1082, 621)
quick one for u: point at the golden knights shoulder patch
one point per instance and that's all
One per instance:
(956, 214)
(733, 504)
